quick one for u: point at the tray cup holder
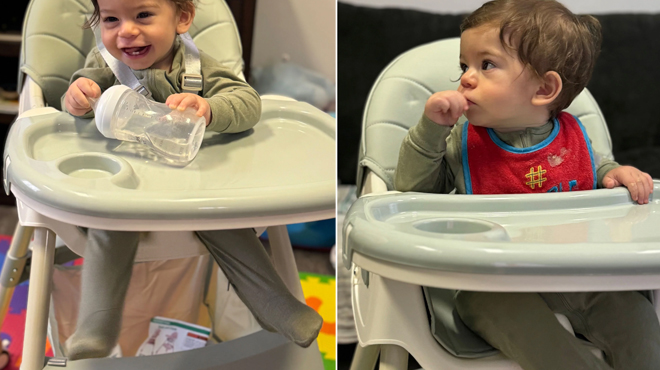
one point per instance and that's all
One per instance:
(90, 166)
(467, 229)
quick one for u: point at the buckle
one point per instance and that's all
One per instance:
(143, 90)
(191, 82)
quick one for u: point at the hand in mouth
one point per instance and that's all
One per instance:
(136, 51)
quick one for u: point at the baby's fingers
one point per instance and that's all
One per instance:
(638, 188)
(78, 99)
(201, 111)
(89, 87)
(458, 106)
(188, 101)
(644, 186)
(439, 104)
(174, 100)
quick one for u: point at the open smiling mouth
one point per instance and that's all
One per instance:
(136, 52)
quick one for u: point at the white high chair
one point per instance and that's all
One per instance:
(52, 162)
(395, 243)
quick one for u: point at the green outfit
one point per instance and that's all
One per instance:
(235, 106)
(109, 255)
(432, 158)
(522, 325)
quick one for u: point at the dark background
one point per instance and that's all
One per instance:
(11, 22)
(625, 82)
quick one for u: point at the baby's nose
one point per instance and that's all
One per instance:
(128, 29)
(468, 80)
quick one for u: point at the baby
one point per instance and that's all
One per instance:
(143, 35)
(522, 63)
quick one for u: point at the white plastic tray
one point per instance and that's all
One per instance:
(588, 233)
(284, 166)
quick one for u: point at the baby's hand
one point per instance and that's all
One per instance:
(76, 96)
(640, 184)
(445, 107)
(185, 100)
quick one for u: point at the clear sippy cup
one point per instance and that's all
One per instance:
(124, 114)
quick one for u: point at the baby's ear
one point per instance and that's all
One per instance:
(549, 89)
(185, 19)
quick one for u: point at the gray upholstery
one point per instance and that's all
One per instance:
(449, 330)
(397, 99)
(55, 44)
(395, 104)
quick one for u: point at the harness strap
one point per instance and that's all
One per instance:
(121, 70)
(191, 80)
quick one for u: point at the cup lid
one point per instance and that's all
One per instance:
(106, 107)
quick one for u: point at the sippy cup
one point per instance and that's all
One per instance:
(124, 114)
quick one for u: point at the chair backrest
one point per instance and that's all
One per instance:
(396, 103)
(54, 44)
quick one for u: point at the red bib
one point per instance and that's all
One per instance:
(562, 162)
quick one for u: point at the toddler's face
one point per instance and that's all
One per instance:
(499, 89)
(141, 33)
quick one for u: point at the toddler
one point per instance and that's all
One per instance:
(522, 63)
(143, 35)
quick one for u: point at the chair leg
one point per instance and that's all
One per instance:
(393, 357)
(36, 320)
(365, 358)
(284, 261)
(13, 267)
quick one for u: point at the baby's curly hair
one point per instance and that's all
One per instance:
(546, 37)
(181, 5)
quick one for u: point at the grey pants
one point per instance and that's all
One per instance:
(523, 326)
(107, 269)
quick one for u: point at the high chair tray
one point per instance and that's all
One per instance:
(601, 235)
(284, 166)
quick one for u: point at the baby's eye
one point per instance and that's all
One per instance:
(144, 15)
(486, 65)
(110, 19)
(463, 67)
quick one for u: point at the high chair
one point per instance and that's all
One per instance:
(64, 174)
(397, 243)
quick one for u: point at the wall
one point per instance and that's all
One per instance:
(303, 29)
(465, 6)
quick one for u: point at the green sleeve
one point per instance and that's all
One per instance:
(96, 70)
(602, 168)
(421, 165)
(235, 105)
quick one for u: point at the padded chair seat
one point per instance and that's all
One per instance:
(448, 328)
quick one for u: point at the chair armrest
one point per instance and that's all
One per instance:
(31, 96)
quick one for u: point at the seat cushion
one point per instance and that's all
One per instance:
(449, 330)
